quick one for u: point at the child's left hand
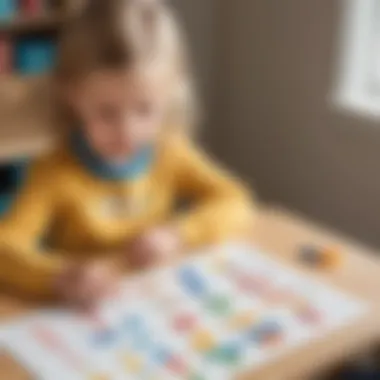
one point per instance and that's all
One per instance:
(156, 247)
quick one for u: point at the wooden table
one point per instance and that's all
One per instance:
(281, 232)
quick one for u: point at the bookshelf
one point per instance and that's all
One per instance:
(42, 22)
(25, 126)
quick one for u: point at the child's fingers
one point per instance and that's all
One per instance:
(142, 258)
(97, 288)
(109, 290)
(141, 255)
(86, 298)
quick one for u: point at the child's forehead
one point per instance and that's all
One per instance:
(122, 83)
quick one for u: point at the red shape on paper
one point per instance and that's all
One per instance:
(310, 315)
(53, 342)
(47, 337)
(185, 322)
(251, 284)
(95, 319)
(176, 365)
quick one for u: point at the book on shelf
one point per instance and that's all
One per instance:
(34, 55)
(8, 9)
(33, 7)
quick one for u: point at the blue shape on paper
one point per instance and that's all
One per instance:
(161, 356)
(263, 330)
(134, 324)
(228, 353)
(141, 341)
(105, 338)
(192, 281)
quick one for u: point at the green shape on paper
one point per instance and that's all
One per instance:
(196, 376)
(219, 305)
(228, 354)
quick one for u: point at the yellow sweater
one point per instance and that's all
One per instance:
(86, 215)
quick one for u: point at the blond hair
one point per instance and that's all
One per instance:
(120, 34)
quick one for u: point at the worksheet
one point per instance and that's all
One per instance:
(221, 312)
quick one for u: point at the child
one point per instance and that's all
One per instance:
(112, 185)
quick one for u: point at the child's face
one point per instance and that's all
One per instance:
(120, 112)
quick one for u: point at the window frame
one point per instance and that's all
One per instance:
(357, 87)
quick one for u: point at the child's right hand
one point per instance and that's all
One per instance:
(85, 285)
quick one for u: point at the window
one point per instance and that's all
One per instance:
(358, 73)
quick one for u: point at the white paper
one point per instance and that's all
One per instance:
(149, 330)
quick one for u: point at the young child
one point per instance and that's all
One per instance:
(110, 189)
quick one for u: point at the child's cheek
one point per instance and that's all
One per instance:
(146, 133)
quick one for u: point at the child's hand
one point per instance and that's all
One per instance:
(85, 285)
(156, 247)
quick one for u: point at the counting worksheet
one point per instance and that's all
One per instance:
(225, 311)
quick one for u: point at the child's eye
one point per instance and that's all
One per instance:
(108, 112)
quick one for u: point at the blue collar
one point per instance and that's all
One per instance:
(129, 170)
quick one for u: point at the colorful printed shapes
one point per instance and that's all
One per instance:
(242, 320)
(251, 284)
(309, 315)
(196, 376)
(105, 337)
(176, 365)
(185, 322)
(141, 342)
(192, 281)
(161, 356)
(218, 305)
(99, 377)
(134, 323)
(266, 333)
(281, 296)
(140, 338)
(138, 332)
(203, 341)
(227, 354)
(133, 363)
(165, 359)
